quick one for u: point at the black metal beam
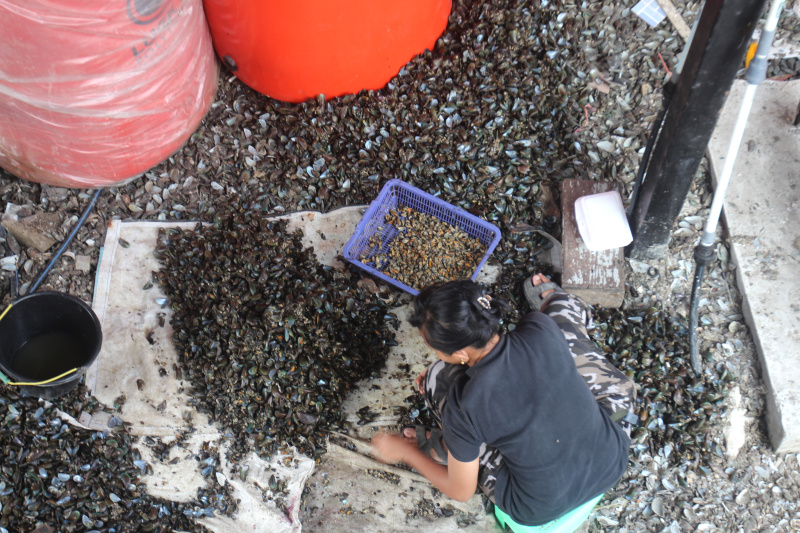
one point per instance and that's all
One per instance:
(715, 54)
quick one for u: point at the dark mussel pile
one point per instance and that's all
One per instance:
(75, 479)
(676, 408)
(270, 339)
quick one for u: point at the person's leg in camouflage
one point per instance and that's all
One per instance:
(437, 381)
(613, 390)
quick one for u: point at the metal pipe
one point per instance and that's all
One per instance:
(713, 59)
(709, 233)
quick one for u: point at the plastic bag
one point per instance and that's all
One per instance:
(94, 92)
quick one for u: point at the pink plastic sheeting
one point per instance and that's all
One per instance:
(95, 92)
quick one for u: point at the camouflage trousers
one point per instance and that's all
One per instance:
(612, 389)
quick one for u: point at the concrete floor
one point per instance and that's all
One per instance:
(762, 216)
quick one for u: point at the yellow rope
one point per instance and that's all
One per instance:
(67, 373)
(6, 311)
(45, 382)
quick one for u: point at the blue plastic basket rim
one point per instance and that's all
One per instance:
(367, 217)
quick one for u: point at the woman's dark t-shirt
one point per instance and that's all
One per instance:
(526, 398)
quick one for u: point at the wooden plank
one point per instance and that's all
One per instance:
(675, 18)
(597, 277)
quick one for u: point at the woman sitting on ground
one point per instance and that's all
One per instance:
(516, 415)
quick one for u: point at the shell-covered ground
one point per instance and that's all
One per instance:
(514, 97)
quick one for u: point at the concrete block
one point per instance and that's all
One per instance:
(597, 277)
(762, 213)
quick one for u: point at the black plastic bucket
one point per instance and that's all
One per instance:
(45, 334)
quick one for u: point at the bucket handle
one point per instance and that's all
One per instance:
(5, 379)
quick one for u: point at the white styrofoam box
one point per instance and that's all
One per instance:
(602, 222)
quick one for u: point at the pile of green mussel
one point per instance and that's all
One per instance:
(676, 408)
(270, 339)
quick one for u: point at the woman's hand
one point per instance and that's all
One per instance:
(420, 381)
(458, 480)
(390, 448)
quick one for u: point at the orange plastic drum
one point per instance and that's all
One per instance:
(293, 50)
(93, 92)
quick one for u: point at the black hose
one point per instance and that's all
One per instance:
(66, 242)
(698, 281)
(703, 255)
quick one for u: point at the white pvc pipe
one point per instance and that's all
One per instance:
(755, 74)
(733, 148)
(773, 15)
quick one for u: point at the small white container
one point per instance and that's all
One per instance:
(602, 222)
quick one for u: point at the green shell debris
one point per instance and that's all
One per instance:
(675, 407)
(78, 479)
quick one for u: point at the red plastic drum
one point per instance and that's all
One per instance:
(293, 50)
(94, 92)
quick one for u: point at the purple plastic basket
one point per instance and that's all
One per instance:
(398, 192)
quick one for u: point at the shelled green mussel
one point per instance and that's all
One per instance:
(421, 249)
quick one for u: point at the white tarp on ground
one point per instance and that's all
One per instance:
(346, 490)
